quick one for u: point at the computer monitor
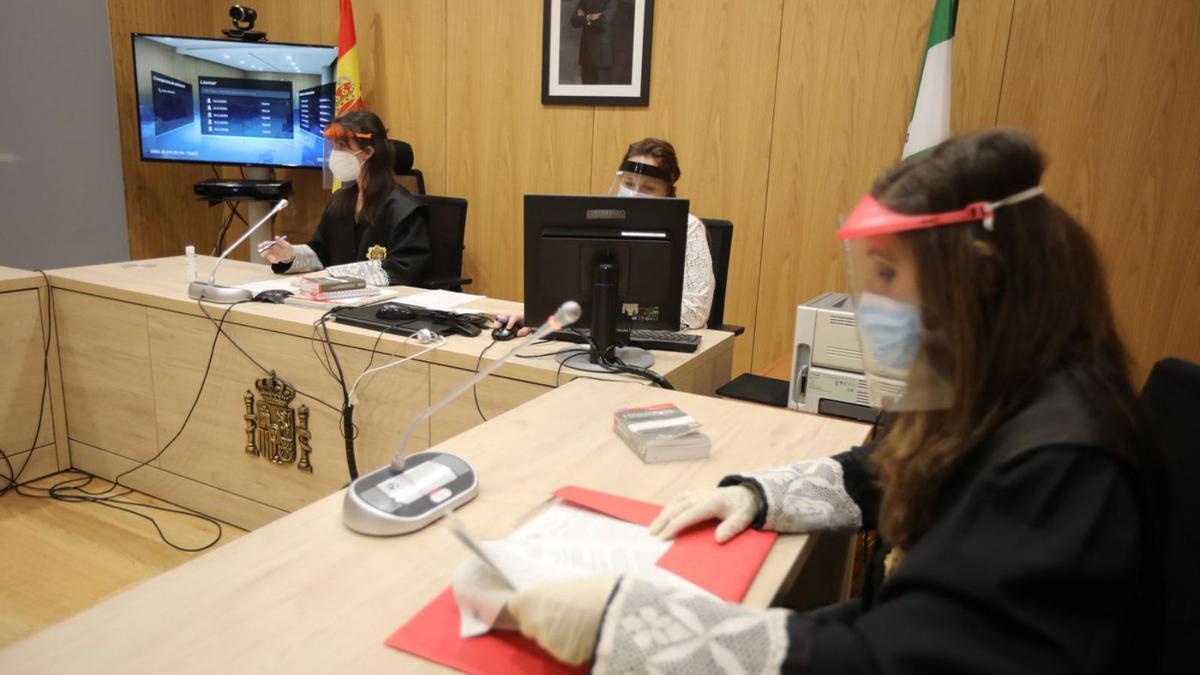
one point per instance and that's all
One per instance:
(566, 237)
(232, 102)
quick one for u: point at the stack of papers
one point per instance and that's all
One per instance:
(661, 433)
(440, 300)
(562, 542)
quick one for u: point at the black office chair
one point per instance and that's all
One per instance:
(409, 178)
(747, 386)
(1170, 401)
(720, 246)
(447, 220)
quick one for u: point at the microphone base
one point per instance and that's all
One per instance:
(631, 356)
(200, 290)
(386, 503)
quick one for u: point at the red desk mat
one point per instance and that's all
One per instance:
(725, 570)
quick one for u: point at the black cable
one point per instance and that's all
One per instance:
(57, 492)
(221, 330)
(347, 409)
(12, 480)
(475, 387)
(545, 354)
(212, 350)
(609, 361)
(72, 490)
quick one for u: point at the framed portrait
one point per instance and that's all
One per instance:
(596, 52)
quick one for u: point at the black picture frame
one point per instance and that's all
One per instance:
(573, 70)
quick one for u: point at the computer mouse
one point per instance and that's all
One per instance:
(275, 295)
(503, 334)
(394, 311)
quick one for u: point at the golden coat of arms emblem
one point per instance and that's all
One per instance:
(376, 252)
(273, 428)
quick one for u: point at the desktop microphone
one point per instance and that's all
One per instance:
(213, 292)
(415, 490)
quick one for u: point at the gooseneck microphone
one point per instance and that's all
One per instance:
(214, 292)
(415, 490)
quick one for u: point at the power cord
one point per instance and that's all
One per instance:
(610, 362)
(13, 479)
(73, 489)
(475, 387)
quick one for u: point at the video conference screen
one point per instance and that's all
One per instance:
(232, 102)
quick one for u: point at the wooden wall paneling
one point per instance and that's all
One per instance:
(712, 94)
(107, 385)
(501, 141)
(163, 217)
(1114, 104)
(846, 81)
(212, 447)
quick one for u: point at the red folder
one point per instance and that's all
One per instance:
(725, 570)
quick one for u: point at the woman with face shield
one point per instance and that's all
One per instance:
(650, 168)
(371, 228)
(1016, 499)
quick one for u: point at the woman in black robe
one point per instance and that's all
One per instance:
(1015, 496)
(371, 228)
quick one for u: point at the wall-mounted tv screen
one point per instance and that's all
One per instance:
(232, 102)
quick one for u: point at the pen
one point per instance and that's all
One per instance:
(263, 247)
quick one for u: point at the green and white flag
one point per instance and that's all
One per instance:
(930, 123)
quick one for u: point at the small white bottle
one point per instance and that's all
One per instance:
(190, 269)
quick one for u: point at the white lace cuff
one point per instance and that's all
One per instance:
(369, 270)
(651, 629)
(304, 260)
(808, 496)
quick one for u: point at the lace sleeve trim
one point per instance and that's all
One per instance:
(650, 629)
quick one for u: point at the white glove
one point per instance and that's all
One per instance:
(563, 616)
(734, 506)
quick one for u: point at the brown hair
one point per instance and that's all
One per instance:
(1008, 307)
(663, 153)
(378, 168)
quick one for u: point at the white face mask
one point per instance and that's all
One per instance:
(344, 165)
(629, 192)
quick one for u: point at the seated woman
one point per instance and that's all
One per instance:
(371, 228)
(1013, 491)
(650, 168)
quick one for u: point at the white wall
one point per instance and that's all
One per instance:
(62, 199)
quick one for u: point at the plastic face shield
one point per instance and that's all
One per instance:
(338, 136)
(905, 361)
(636, 179)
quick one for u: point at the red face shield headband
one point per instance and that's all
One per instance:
(337, 131)
(870, 218)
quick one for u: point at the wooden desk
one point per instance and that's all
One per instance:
(304, 594)
(25, 312)
(135, 349)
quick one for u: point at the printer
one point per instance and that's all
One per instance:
(827, 366)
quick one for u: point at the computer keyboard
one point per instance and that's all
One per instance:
(661, 340)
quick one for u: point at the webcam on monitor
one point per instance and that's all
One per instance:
(243, 25)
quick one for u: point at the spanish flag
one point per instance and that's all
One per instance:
(349, 83)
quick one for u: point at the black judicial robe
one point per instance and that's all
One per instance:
(1042, 555)
(400, 227)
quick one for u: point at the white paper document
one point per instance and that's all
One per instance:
(563, 542)
(443, 300)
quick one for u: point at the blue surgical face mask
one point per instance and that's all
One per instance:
(891, 329)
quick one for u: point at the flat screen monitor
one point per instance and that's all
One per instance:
(232, 102)
(566, 236)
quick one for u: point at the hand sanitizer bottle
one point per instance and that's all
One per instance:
(190, 254)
